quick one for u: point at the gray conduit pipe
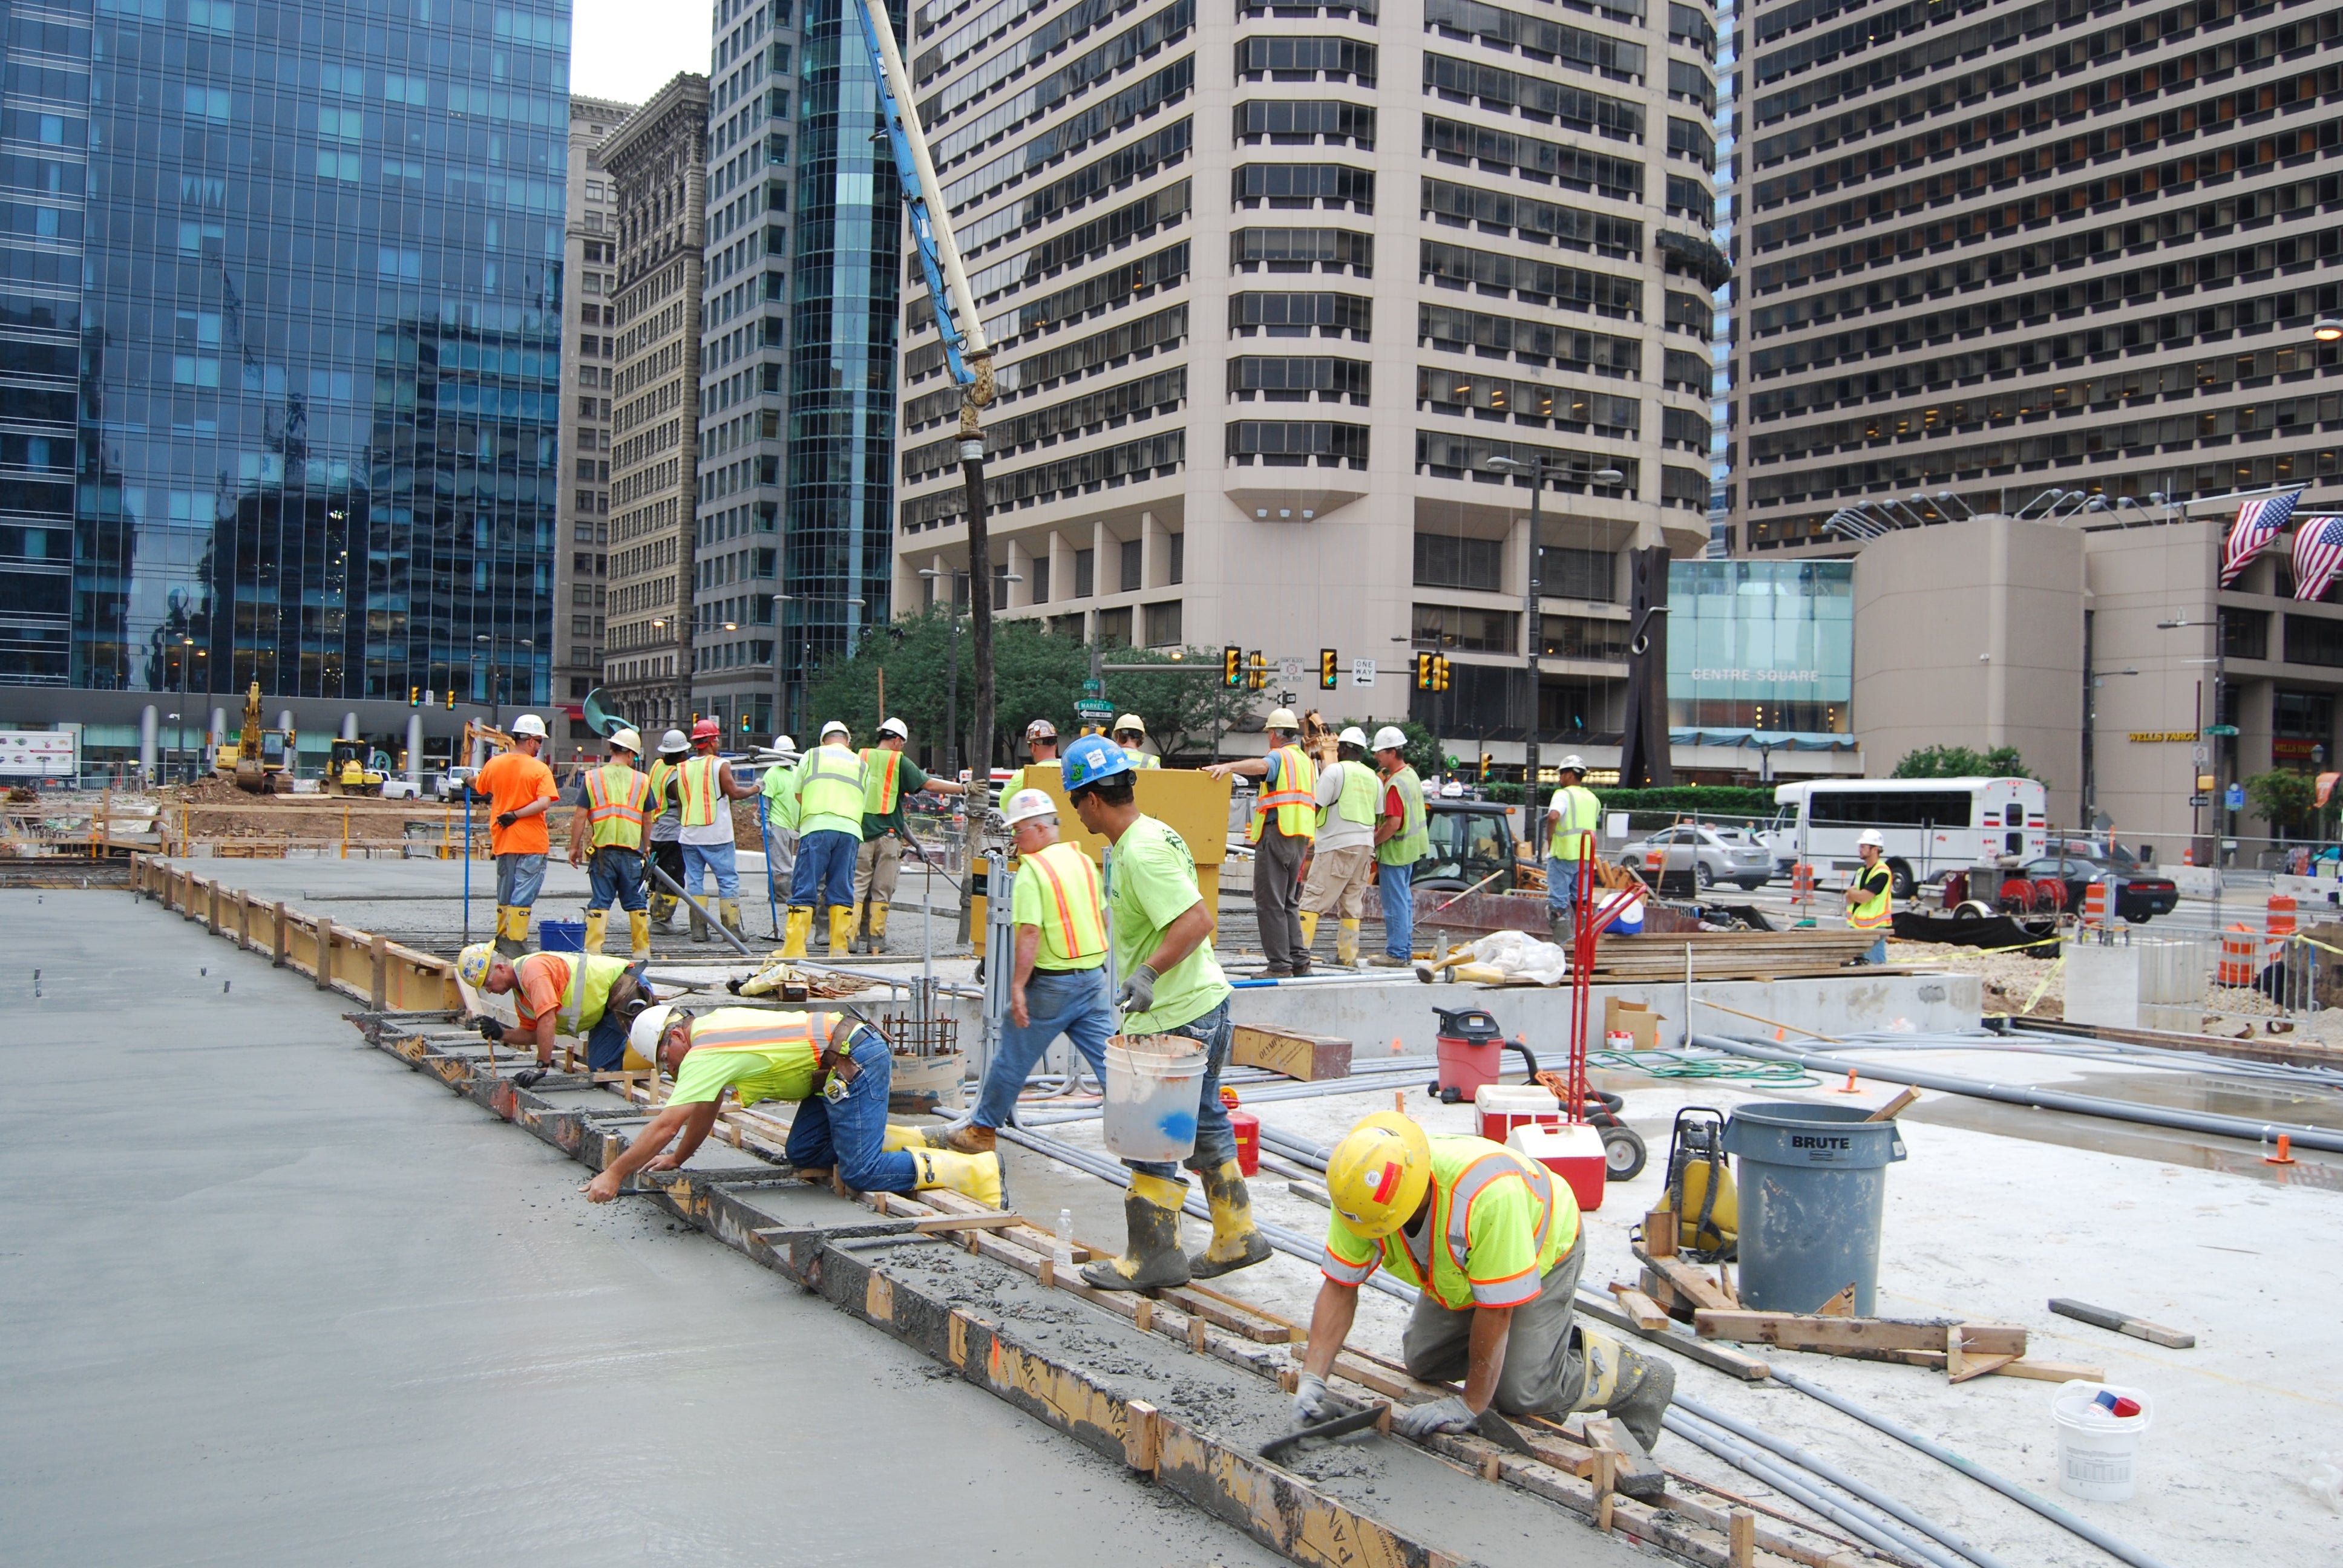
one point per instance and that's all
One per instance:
(2204, 1122)
(1830, 1473)
(1869, 1526)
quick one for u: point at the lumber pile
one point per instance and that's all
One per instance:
(1962, 1350)
(1727, 955)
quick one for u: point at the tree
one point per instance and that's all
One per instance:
(2282, 796)
(1421, 752)
(1184, 713)
(1036, 675)
(1960, 762)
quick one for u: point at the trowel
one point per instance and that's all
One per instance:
(1357, 1418)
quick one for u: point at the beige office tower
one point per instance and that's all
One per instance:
(1270, 285)
(658, 164)
(588, 328)
(1994, 249)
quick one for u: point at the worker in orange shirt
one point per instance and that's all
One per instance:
(518, 788)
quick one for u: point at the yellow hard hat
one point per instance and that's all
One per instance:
(472, 965)
(1379, 1172)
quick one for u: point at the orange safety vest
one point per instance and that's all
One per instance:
(699, 791)
(1295, 798)
(618, 802)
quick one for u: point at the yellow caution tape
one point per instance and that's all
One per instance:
(2047, 975)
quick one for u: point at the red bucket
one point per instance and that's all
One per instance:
(1247, 1127)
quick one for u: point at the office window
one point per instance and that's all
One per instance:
(1163, 625)
(1114, 626)
(1085, 563)
(1179, 558)
(1133, 553)
(1037, 572)
(1443, 561)
(1465, 630)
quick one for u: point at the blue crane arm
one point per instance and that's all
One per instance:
(902, 128)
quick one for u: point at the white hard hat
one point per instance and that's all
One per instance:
(1353, 735)
(529, 724)
(674, 741)
(643, 1034)
(1870, 836)
(626, 739)
(1390, 737)
(835, 727)
(1026, 805)
(1130, 721)
(783, 743)
(894, 726)
(1283, 718)
(1573, 763)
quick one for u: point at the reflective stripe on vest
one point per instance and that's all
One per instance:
(882, 780)
(1874, 912)
(830, 784)
(617, 805)
(662, 771)
(808, 1028)
(1081, 924)
(1295, 798)
(699, 791)
(1496, 1167)
(1407, 846)
(591, 976)
(1356, 803)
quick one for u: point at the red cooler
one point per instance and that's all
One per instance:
(1501, 1106)
(1574, 1153)
(1247, 1127)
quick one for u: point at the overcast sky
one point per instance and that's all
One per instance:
(626, 50)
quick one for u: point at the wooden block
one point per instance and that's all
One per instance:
(1793, 1331)
(1606, 1481)
(1309, 1057)
(279, 941)
(2122, 1323)
(966, 1223)
(1742, 1538)
(1649, 1315)
(1978, 1366)
(1049, 1274)
(2053, 1371)
(1659, 1233)
(1632, 1470)
(1143, 1319)
(378, 988)
(1839, 1306)
(1693, 1286)
(1956, 1361)
(1142, 1437)
(1895, 1107)
(1198, 1334)
(324, 969)
(1493, 1467)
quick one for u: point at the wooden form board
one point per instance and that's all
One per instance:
(1796, 1331)
(1309, 1057)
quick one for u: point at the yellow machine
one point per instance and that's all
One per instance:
(258, 759)
(1196, 807)
(1700, 1187)
(355, 769)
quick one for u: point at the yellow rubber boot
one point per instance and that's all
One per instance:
(798, 925)
(841, 930)
(1308, 930)
(595, 920)
(878, 926)
(976, 1176)
(728, 912)
(899, 1137)
(504, 927)
(662, 908)
(1152, 1258)
(639, 928)
(1346, 944)
(1235, 1244)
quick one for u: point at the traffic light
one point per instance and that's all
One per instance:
(1423, 672)
(1232, 668)
(1257, 670)
(451, 699)
(1326, 668)
(744, 721)
(413, 697)
(1484, 766)
(1439, 672)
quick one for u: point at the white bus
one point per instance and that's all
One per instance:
(1930, 825)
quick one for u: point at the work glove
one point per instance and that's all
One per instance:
(491, 1029)
(507, 819)
(1311, 1401)
(1420, 1421)
(1138, 994)
(530, 1077)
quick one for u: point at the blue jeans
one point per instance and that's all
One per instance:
(825, 872)
(1560, 885)
(1394, 883)
(618, 878)
(1072, 1002)
(717, 860)
(846, 1134)
(1878, 953)
(518, 877)
(1216, 1140)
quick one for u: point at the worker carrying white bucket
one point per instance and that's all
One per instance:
(1495, 1243)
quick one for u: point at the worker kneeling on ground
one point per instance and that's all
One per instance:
(1869, 900)
(1495, 1243)
(835, 1067)
(560, 993)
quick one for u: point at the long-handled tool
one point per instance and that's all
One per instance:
(468, 866)
(672, 886)
(764, 832)
(1358, 1420)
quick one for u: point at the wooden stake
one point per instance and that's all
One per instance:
(1895, 1107)
(1956, 1365)
(379, 948)
(277, 941)
(324, 952)
(1197, 1331)
(1660, 1232)
(1493, 1467)
(1143, 1439)
(1144, 1319)
(1743, 1538)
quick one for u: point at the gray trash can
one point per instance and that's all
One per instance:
(1813, 1182)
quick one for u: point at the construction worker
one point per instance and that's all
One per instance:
(1342, 863)
(1041, 749)
(1284, 823)
(666, 821)
(1495, 1243)
(560, 993)
(829, 785)
(1402, 838)
(835, 1067)
(1869, 894)
(1171, 984)
(887, 777)
(1569, 820)
(706, 787)
(780, 822)
(518, 788)
(1058, 979)
(1131, 734)
(613, 812)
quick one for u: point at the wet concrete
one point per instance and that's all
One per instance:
(273, 1298)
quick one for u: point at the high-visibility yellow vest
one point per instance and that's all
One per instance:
(830, 784)
(1872, 912)
(588, 990)
(618, 802)
(1580, 811)
(661, 771)
(1414, 839)
(790, 1042)
(1356, 803)
(1075, 908)
(1461, 1169)
(1295, 798)
(882, 779)
(1139, 759)
(700, 791)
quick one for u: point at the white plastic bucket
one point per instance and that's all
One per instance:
(2098, 1451)
(1152, 1082)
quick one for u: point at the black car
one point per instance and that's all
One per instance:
(2139, 894)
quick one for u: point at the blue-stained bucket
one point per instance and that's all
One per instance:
(1153, 1087)
(561, 936)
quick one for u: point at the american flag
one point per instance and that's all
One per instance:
(2258, 522)
(2317, 552)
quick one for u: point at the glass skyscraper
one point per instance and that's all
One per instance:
(280, 355)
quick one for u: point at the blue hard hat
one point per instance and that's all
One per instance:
(1092, 759)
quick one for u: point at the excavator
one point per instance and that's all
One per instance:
(259, 761)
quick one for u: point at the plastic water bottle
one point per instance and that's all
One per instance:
(1063, 1255)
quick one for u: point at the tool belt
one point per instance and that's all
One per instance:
(628, 996)
(834, 1057)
